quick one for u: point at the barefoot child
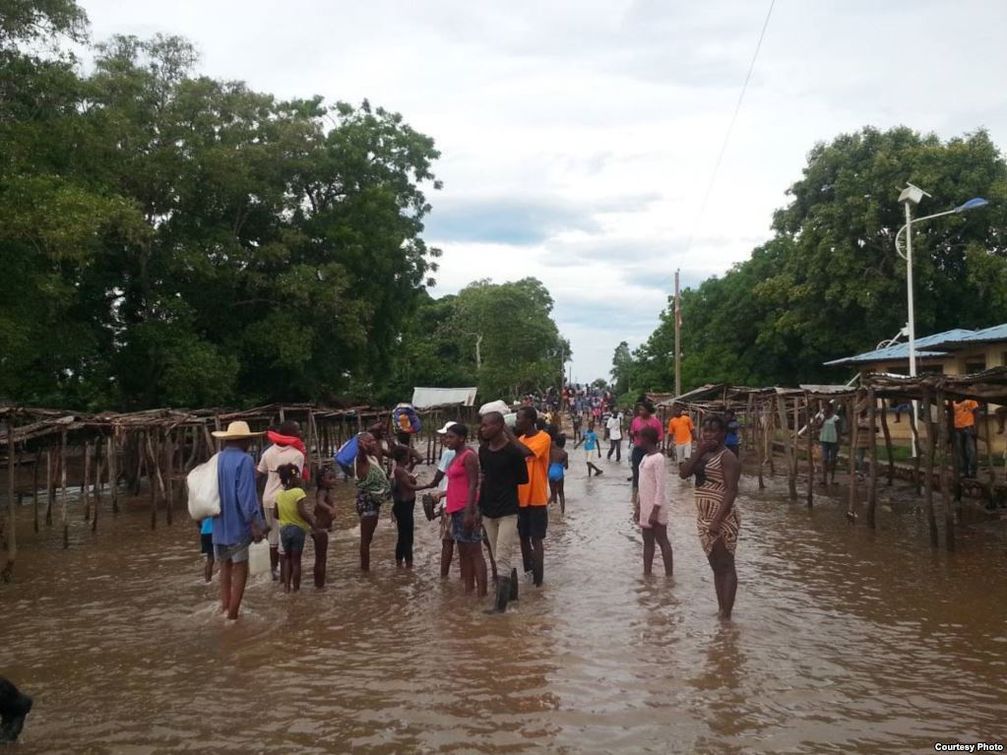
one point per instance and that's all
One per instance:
(325, 513)
(591, 447)
(295, 520)
(653, 502)
(206, 544)
(559, 462)
(403, 506)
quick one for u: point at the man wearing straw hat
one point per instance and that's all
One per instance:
(240, 521)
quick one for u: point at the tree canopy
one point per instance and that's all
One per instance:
(829, 283)
(169, 238)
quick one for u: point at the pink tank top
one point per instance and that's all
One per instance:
(458, 484)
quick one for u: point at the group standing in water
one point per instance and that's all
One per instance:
(496, 496)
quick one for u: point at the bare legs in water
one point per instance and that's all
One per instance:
(725, 578)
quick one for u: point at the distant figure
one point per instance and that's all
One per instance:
(828, 438)
(403, 507)
(733, 439)
(206, 546)
(717, 472)
(965, 436)
(325, 515)
(654, 503)
(614, 427)
(682, 433)
(373, 489)
(240, 521)
(559, 462)
(592, 446)
(14, 708)
(577, 422)
(295, 522)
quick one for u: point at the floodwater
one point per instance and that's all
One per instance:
(843, 639)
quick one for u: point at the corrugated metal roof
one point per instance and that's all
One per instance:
(938, 345)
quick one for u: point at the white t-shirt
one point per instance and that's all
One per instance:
(442, 466)
(614, 426)
(272, 459)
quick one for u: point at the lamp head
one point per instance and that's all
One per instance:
(912, 193)
(973, 204)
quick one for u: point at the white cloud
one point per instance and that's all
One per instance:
(584, 133)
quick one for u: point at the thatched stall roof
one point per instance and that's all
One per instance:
(989, 386)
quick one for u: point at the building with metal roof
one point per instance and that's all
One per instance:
(952, 352)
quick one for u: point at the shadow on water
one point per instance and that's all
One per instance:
(843, 638)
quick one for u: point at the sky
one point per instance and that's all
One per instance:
(579, 139)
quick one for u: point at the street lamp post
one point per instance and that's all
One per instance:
(911, 195)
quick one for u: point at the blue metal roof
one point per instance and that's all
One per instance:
(938, 345)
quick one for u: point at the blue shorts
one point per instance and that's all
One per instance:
(291, 538)
(830, 451)
(460, 534)
(236, 553)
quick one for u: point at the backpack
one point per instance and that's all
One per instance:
(345, 455)
(204, 490)
(406, 420)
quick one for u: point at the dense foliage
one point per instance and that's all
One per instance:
(829, 283)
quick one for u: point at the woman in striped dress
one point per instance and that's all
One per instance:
(717, 472)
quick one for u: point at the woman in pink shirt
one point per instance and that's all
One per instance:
(644, 418)
(653, 502)
(460, 506)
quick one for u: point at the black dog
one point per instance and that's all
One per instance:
(14, 706)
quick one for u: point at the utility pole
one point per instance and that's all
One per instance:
(678, 336)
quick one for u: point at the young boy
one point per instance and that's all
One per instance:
(591, 446)
(206, 544)
(295, 521)
(403, 506)
(559, 462)
(325, 513)
(653, 502)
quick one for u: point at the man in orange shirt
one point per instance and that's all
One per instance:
(683, 432)
(533, 497)
(965, 436)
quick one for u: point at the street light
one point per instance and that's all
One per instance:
(911, 195)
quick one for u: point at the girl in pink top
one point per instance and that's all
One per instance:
(644, 418)
(460, 506)
(653, 514)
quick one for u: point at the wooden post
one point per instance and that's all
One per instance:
(991, 473)
(154, 477)
(811, 452)
(49, 487)
(169, 471)
(949, 517)
(781, 405)
(99, 466)
(888, 442)
(62, 476)
(872, 489)
(11, 533)
(916, 442)
(759, 438)
(851, 509)
(113, 469)
(770, 432)
(84, 494)
(931, 451)
(34, 490)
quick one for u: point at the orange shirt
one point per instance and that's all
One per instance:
(681, 429)
(963, 413)
(536, 491)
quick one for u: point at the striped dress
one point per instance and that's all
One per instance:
(709, 499)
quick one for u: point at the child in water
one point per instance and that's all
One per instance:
(206, 545)
(295, 521)
(591, 446)
(325, 513)
(559, 462)
(653, 502)
(403, 506)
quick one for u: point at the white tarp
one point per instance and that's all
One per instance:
(424, 397)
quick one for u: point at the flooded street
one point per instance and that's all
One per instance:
(843, 638)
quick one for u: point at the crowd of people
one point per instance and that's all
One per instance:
(491, 492)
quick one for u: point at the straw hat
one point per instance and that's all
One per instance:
(235, 431)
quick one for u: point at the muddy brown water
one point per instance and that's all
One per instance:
(843, 639)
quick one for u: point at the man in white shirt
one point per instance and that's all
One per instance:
(273, 458)
(614, 426)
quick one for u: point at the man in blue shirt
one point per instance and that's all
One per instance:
(240, 521)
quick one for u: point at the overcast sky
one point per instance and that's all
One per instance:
(578, 138)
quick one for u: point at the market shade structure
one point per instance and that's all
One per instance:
(425, 398)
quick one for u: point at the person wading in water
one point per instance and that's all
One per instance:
(373, 489)
(461, 498)
(717, 472)
(533, 496)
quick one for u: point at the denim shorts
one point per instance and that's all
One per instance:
(830, 451)
(236, 553)
(292, 538)
(460, 534)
